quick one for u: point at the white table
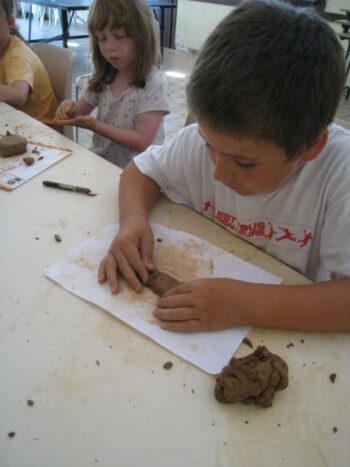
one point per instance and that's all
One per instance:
(101, 395)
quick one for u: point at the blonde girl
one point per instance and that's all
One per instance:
(130, 93)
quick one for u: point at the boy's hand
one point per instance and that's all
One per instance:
(66, 110)
(204, 305)
(131, 253)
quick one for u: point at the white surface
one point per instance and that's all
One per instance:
(128, 411)
(179, 254)
(14, 172)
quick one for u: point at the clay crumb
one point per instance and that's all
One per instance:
(28, 160)
(37, 238)
(192, 391)
(12, 434)
(335, 429)
(159, 239)
(290, 345)
(302, 341)
(30, 402)
(167, 365)
(246, 422)
(58, 238)
(40, 158)
(332, 377)
(97, 362)
(35, 151)
(247, 342)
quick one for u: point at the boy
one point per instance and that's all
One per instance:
(24, 82)
(265, 163)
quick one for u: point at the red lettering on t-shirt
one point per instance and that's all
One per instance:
(307, 238)
(263, 229)
(287, 235)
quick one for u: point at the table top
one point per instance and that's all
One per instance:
(85, 4)
(101, 395)
(155, 4)
(69, 5)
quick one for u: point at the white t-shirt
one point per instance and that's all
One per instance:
(122, 112)
(304, 223)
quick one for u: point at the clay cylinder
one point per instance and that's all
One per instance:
(160, 282)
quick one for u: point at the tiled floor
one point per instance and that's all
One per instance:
(176, 64)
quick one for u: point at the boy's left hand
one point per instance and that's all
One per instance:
(204, 305)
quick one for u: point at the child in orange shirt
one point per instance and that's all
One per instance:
(24, 82)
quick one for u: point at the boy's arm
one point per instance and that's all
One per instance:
(15, 94)
(131, 249)
(138, 139)
(211, 304)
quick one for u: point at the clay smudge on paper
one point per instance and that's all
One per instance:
(182, 261)
(84, 263)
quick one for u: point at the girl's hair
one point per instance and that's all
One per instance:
(135, 16)
(10, 8)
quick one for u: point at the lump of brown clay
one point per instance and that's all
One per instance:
(28, 160)
(253, 379)
(160, 282)
(12, 145)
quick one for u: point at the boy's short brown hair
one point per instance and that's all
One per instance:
(8, 6)
(270, 71)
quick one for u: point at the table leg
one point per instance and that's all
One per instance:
(65, 27)
(171, 25)
(30, 23)
(162, 32)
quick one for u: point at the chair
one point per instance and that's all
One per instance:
(58, 62)
(80, 84)
(159, 53)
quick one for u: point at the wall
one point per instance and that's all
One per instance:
(195, 21)
(334, 6)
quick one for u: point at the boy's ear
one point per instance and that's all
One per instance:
(316, 148)
(11, 21)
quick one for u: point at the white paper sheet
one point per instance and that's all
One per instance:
(14, 172)
(182, 255)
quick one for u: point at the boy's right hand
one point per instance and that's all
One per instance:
(130, 253)
(66, 110)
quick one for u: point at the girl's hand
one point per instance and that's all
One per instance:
(130, 253)
(66, 110)
(84, 121)
(204, 305)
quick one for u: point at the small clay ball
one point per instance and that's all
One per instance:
(12, 145)
(28, 160)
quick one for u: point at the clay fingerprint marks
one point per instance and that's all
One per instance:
(12, 145)
(184, 259)
(253, 379)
